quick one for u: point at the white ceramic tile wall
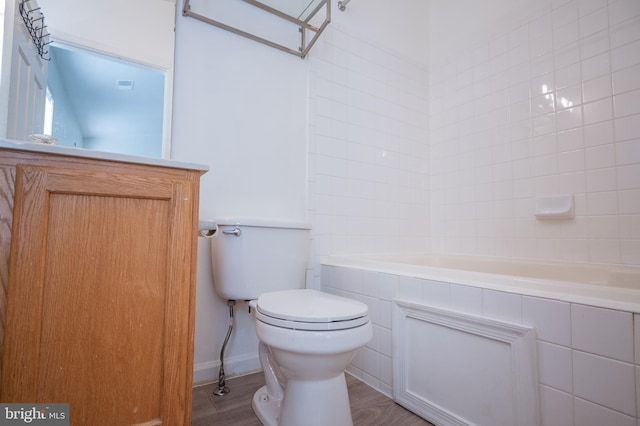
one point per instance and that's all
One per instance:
(542, 101)
(368, 153)
(588, 374)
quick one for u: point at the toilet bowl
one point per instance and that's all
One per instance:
(307, 339)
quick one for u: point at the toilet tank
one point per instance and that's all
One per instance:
(251, 256)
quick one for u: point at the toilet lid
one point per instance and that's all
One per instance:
(308, 309)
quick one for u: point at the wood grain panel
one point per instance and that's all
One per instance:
(7, 184)
(103, 318)
(178, 326)
(102, 292)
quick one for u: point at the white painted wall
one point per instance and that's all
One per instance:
(241, 108)
(251, 113)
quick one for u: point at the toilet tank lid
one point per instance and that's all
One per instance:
(262, 222)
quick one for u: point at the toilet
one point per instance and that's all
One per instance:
(306, 337)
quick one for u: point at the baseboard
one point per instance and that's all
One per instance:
(207, 372)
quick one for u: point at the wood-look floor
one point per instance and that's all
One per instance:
(368, 406)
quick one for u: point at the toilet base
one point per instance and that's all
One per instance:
(310, 403)
(266, 408)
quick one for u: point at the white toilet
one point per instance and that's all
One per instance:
(307, 338)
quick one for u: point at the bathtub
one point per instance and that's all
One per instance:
(474, 340)
(607, 286)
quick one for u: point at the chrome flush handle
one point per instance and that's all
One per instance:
(235, 231)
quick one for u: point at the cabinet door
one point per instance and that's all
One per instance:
(99, 297)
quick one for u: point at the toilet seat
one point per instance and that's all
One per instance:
(308, 309)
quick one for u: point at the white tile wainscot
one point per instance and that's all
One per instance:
(581, 380)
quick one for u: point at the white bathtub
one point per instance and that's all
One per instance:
(520, 343)
(607, 286)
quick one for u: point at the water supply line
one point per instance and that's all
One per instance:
(222, 388)
(342, 5)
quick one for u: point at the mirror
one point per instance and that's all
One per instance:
(103, 53)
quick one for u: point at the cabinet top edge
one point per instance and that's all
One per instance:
(97, 155)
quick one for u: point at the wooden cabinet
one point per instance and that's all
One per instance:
(100, 287)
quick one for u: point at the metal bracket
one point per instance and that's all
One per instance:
(303, 25)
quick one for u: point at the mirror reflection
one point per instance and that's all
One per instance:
(108, 84)
(104, 103)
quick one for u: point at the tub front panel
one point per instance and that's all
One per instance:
(458, 369)
(587, 355)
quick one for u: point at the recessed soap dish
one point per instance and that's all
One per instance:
(555, 207)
